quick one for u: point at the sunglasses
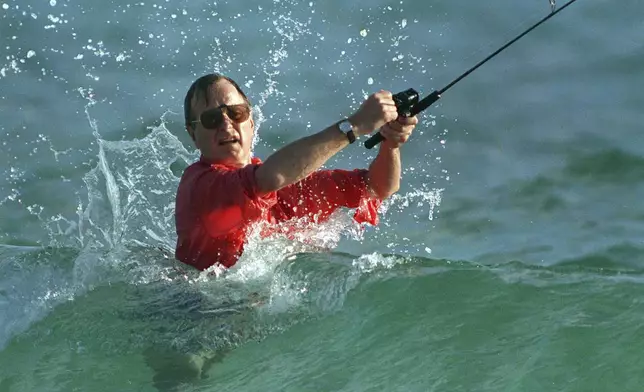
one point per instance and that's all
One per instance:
(213, 118)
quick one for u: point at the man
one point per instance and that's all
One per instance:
(228, 190)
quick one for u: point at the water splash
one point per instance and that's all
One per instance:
(421, 197)
(120, 227)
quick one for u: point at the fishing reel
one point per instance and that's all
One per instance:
(405, 102)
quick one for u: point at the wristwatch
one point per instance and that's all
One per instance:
(346, 128)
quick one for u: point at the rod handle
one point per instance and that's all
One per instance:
(374, 141)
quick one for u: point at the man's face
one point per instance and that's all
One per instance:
(230, 142)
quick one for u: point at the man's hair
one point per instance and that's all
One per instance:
(200, 88)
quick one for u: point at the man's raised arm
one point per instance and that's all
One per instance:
(302, 157)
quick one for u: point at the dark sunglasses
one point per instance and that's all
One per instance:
(213, 118)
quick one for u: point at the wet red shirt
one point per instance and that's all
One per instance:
(216, 204)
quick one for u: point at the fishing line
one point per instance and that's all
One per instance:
(489, 45)
(408, 102)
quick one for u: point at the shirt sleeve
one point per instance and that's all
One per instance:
(324, 191)
(228, 199)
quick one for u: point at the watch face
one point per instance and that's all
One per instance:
(345, 126)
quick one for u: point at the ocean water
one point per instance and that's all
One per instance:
(512, 259)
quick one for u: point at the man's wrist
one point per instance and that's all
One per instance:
(386, 144)
(358, 128)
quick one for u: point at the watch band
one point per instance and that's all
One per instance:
(351, 136)
(347, 128)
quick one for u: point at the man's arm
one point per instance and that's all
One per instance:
(302, 157)
(384, 172)
(299, 159)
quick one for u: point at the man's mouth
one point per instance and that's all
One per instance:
(228, 141)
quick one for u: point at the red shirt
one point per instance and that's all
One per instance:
(216, 204)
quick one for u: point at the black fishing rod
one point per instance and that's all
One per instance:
(408, 103)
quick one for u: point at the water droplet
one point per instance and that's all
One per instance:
(5, 6)
(30, 54)
(403, 23)
(363, 32)
(52, 3)
(370, 81)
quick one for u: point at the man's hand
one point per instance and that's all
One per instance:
(378, 110)
(397, 132)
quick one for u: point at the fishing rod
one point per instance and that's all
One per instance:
(408, 103)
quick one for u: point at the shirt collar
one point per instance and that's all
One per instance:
(253, 161)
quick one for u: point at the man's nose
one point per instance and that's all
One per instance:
(227, 125)
(225, 119)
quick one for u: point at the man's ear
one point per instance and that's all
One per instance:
(191, 132)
